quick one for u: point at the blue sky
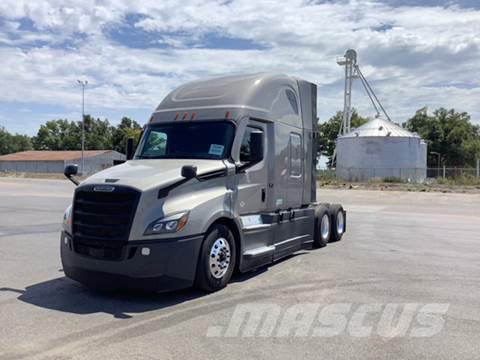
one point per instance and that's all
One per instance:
(415, 53)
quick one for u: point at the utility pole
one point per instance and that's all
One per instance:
(83, 84)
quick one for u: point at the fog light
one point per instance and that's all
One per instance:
(145, 251)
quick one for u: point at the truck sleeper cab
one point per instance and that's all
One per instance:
(223, 179)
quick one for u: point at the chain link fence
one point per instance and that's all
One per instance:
(399, 174)
(452, 172)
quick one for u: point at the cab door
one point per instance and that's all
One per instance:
(252, 181)
(253, 195)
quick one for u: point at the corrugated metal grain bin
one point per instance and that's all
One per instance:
(381, 149)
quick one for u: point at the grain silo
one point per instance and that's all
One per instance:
(381, 149)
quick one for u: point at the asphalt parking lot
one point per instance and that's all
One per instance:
(401, 248)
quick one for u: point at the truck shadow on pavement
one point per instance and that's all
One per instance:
(63, 294)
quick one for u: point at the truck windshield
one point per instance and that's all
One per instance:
(187, 140)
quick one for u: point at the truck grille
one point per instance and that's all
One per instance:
(102, 221)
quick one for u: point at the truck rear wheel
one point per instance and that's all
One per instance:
(338, 221)
(323, 227)
(217, 259)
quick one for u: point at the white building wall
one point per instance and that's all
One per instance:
(32, 166)
(96, 163)
(92, 164)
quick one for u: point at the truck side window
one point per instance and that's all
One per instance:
(156, 144)
(292, 99)
(245, 146)
(295, 155)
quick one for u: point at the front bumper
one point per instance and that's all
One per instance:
(170, 265)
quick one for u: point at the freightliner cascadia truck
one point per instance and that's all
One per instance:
(222, 180)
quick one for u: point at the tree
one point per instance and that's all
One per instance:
(58, 134)
(98, 134)
(448, 133)
(126, 129)
(67, 135)
(330, 130)
(13, 143)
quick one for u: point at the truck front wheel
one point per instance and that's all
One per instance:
(217, 259)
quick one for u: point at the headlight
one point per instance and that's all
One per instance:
(169, 224)
(67, 220)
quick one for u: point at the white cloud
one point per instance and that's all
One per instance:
(414, 56)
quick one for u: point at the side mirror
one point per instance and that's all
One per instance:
(256, 147)
(189, 171)
(70, 171)
(130, 148)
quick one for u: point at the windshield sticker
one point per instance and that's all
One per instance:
(216, 149)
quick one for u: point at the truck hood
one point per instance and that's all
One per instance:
(147, 174)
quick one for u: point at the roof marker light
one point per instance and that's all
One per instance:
(185, 115)
(227, 115)
(193, 116)
(151, 119)
(176, 116)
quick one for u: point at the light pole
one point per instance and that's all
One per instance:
(83, 83)
(438, 161)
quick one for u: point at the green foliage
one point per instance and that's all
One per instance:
(66, 135)
(10, 143)
(126, 129)
(98, 134)
(329, 131)
(392, 180)
(58, 135)
(449, 133)
(62, 134)
(464, 180)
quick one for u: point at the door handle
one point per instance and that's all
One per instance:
(264, 194)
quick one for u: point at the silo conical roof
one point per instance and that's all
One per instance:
(380, 127)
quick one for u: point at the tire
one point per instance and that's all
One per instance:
(217, 259)
(339, 222)
(323, 227)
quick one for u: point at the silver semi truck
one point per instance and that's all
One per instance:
(222, 180)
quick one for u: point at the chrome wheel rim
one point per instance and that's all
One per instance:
(340, 223)
(219, 261)
(325, 227)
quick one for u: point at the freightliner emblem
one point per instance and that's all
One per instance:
(104, 188)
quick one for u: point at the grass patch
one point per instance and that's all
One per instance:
(465, 180)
